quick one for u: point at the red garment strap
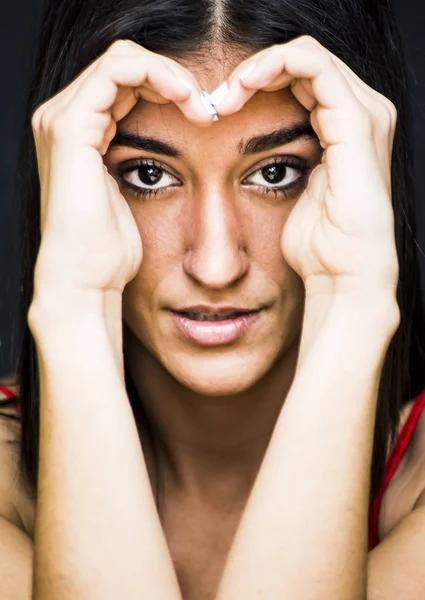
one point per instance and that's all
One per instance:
(392, 464)
(9, 394)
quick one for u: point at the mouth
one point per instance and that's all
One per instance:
(214, 329)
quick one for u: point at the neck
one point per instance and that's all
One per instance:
(206, 449)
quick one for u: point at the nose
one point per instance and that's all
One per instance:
(216, 255)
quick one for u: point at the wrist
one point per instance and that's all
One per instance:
(380, 310)
(57, 318)
(54, 306)
(356, 322)
(375, 312)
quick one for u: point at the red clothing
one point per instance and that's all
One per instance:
(393, 461)
(9, 394)
(390, 468)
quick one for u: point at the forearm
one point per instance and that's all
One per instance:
(97, 531)
(303, 535)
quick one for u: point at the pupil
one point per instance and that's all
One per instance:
(150, 174)
(274, 173)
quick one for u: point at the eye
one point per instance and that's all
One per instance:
(286, 174)
(145, 177)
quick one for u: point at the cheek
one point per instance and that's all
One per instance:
(264, 230)
(161, 241)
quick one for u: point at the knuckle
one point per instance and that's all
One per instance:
(107, 64)
(306, 38)
(109, 59)
(311, 41)
(105, 61)
(61, 126)
(120, 46)
(328, 61)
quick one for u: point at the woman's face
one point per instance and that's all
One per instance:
(212, 235)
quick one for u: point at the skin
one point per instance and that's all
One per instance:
(343, 265)
(210, 432)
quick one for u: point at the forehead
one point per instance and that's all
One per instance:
(271, 114)
(213, 64)
(263, 112)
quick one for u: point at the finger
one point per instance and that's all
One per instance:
(330, 89)
(383, 132)
(283, 63)
(65, 96)
(133, 71)
(382, 111)
(157, 74)
(118, 48)
(375, 96)
(338, 118)
(301, 89)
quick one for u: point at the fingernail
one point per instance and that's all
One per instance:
(247, 70)
(219, 93)
(205, 99)
(185, 83)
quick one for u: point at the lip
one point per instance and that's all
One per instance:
(212, 309)
(215, 333)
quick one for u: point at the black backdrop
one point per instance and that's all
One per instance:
(19, 22)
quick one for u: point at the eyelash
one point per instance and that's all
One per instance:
(293, 162)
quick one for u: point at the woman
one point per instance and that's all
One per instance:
(182, 459)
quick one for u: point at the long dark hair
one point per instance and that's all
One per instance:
(362, 33)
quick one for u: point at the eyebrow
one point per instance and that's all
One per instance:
(253, 145)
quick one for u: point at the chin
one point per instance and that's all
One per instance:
(219, 375)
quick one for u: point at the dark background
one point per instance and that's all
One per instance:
(19, 22)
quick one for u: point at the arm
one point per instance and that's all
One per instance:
(16, 557)
(97, 532)
(396, 566)
(16, 554)
(303, 534)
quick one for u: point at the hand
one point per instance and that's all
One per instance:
(339, 236)
(90, 241)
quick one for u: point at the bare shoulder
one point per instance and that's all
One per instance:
(15, 505)
(16, 542)
(418, 458)
(410, 478)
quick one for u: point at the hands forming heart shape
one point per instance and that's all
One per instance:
(339, 237)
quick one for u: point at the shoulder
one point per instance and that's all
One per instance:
(9, 428)
(418, 458)
(15, 504)
(9, 470)
(10, 383)
(408, 482)
(410, 474)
